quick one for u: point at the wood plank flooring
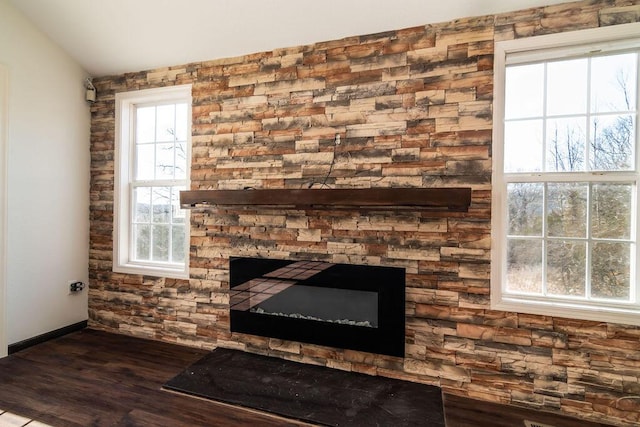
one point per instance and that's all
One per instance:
(464, 412)
(93, 378)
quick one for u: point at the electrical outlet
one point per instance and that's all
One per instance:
(528, 423)
(75, 286)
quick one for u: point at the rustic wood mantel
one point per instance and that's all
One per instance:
(442, 199)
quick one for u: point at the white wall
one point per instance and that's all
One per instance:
(4, 102)
(47, 181)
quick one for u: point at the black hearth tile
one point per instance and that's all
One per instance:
(311, 393)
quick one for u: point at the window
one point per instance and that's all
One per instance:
(153, 134)
(565, 179)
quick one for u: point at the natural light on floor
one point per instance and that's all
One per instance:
(8, 419)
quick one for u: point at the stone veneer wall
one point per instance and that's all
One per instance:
(413, 108)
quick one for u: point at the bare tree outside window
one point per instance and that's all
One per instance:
(151, 231)
(161, 157)
(573, 239)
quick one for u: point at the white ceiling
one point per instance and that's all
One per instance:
(115, 36)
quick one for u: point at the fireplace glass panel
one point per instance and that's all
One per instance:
(344, 306)
(340, 305)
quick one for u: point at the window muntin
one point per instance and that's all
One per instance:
(566, 179)
(158, 226)
(570, 240)
(160, 159)
(161, 142)
(576, 114)
(151, 229)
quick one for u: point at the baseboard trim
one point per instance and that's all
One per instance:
(30, 342)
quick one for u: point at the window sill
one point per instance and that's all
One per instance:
(626, 316)
(156, 271)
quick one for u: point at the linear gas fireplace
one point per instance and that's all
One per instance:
(338, 305)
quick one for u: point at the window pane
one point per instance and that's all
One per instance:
(566, 145)
(524, 265)
(566, 268)
(570, 131)
(567, 87)
(145, 124)
(613, 83)
(524, 201)
(178, 214)
(181, 160)
(178, 243)
(524, 90)
(165, 126)
(567, 209)
(611, 211)
(611, 271)
(144, 161)
(160, 243)
(164, 161)
(161, 204)
(141, 242)
(153, 167)
(612, 141)
(142, 204)
(182, 121)
(523, 146)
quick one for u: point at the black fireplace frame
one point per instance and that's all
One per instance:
(387, 338)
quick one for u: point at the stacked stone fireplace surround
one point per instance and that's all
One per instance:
(413, 108)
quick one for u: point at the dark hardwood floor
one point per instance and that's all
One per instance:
(464, 412)
(93, 378)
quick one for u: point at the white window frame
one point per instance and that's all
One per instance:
(126, 103)
(536, 49)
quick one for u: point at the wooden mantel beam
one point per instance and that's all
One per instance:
(446, 199)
